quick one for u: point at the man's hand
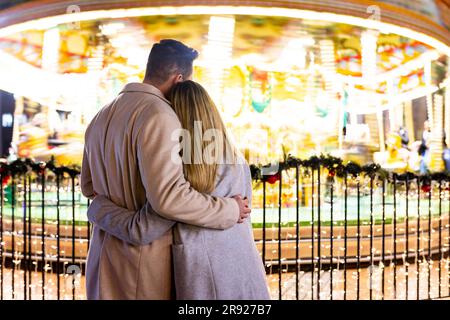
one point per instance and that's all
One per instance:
(244, 210)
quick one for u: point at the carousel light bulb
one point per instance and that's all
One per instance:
(218, 52)
(436, 145)
(294, 54)
(50, 50)
(369, 40)
(95, 62)
(329, 64)
(111, 28)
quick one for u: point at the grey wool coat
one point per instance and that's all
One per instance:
(208, 263)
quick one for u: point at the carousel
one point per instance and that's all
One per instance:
(298, 80)
(362, 82)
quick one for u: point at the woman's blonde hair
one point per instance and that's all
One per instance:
(204, 131)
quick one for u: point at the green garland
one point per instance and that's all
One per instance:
(23, 166)
(336, 167)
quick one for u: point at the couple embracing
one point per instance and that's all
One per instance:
(165, 225)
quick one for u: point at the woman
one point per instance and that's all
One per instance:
(208, 263)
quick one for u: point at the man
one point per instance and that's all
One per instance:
(128, 158)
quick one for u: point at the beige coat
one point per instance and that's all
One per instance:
(128, 157)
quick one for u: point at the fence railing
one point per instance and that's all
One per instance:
(325, 230)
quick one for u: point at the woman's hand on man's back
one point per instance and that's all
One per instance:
(244, 210)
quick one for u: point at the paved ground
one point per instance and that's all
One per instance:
(288, 284)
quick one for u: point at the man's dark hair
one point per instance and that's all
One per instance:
(169, 57)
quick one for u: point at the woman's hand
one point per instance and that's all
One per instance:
(244, 210)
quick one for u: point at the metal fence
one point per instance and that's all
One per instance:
(325, 230)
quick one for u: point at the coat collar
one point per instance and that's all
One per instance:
(146, 88)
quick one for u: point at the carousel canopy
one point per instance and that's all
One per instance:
(316, 61)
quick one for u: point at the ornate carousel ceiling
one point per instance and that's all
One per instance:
(262, 36)
(317, 61)
(289, 39)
